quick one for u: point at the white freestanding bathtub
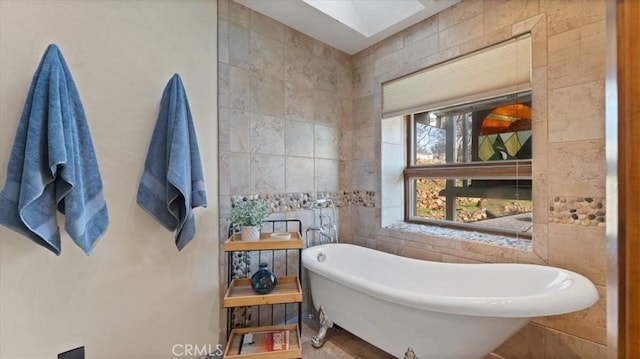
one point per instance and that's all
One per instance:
(439, 310)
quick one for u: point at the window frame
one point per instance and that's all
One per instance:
(507, 169)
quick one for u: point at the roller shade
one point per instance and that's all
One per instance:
(497, 70)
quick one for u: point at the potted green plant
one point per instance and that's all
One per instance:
(246, 217)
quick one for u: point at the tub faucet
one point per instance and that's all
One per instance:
(325, 235)
(409, 354)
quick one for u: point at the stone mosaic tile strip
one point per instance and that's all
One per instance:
(582, 211)
(284, 202)
(468, 236)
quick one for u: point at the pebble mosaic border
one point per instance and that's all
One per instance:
(283, 202)
(463, 235)
(583, 211)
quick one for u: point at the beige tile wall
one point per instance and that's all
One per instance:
(297, 115)
(285, 98)
(568, 101)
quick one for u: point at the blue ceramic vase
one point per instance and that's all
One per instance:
(263, 281)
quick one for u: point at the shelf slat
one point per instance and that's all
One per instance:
(234, 243)
(294, 352)
(240, 293)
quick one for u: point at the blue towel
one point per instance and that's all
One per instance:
(172, 183)
(53, 164)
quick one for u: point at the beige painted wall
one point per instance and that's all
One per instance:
(136, 296)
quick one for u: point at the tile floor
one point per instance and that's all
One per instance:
(339, 344)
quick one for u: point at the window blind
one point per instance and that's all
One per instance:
(498, 70)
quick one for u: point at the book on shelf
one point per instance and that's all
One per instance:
(267, 341)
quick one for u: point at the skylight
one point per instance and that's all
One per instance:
(365, 16)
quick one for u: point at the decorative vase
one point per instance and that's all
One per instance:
(250, 233)
(263, 281)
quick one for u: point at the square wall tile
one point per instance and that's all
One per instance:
(577, 168)
(298, 101)
(299, 138)
(499, 13)
(326, 76)
(577, 56)
(420, 50)
(577, 112)
(299, 174)
(266, 56)
(326, 175)
(362, 111)
(364, 175)
(568, 15)
(579, 248)
(267, 96)
(267, 173)
(326, 141)
(326, 108)
(298, 66)
(267, 135)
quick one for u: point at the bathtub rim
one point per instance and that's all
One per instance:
(580, 295)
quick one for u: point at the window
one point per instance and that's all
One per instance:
(470, 166)
(468, 158)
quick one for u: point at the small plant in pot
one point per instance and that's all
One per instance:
(247, 217)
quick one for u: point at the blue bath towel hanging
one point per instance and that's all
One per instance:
(53, 164)
(172, 183)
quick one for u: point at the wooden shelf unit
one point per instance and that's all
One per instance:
(287, 290)
(295, 347)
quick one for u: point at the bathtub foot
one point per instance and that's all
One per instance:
(325, 323)
(409, 354)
